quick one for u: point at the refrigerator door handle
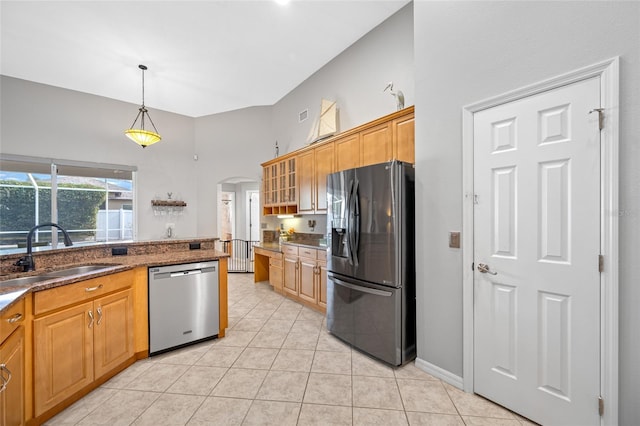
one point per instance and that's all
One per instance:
(360, 288)
(350, 224)
(356, 222)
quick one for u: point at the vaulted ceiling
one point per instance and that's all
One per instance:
(203, 57)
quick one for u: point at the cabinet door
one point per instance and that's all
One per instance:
(306, 200)
(266, 186)
(12, 398)
(291, 181)
(324, 167)
(63, 355)
(274, 184)
(377, 144)
(113, 331)
(291, 275)
(347, 152)
(307, 279)
(322, 284)
(275, 275)
(404, 139)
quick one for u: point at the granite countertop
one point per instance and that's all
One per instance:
(10, 294)
(278, 248)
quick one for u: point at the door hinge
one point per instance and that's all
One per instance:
(600, 112)
(600, 263)
(601, 406)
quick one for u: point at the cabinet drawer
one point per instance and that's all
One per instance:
(307, 252)
(289, 250)
(59, 297)
(322, 254)
(11, 319)
(275, 263)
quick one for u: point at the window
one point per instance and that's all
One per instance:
(93, 202)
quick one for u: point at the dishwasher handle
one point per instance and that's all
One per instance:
(185, 273)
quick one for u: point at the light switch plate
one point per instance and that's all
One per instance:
(454, 239)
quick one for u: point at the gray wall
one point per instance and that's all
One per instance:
(355, 80)
(46, 121)
(468, 51)
(229, 145)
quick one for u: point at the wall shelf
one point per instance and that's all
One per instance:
(167, 207)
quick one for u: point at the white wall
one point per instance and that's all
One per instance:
(46, 121)
(468, 51)
(355, 79)
(229, 145)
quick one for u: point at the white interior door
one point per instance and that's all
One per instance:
(537, 228)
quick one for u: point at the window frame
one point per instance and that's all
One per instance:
(61, 167)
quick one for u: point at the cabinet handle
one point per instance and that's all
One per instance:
(17, 317)
(99, 310)
(90, 317)
(90, 289)
(5, 381)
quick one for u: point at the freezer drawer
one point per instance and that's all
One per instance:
(377, 320)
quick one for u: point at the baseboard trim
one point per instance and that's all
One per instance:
(440, 373)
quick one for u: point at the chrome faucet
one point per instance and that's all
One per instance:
(26, 261)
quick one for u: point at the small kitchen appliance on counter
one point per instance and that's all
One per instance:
(371, 262)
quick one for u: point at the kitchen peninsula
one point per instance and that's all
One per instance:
(81, 318)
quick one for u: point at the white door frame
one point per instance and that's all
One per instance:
(608, 71)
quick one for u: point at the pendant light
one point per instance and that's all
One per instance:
(141, 136)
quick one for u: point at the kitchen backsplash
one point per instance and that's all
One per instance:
(271, 236)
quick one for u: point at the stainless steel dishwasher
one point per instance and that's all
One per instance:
(183, 305)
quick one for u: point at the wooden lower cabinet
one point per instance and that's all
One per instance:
(275, 273)
(305, 275)
(322, 283)
(12, 368)
(82, 341)
(268, 266)
(290, 272)
(112, 332)
(63, 355)
(307, 279)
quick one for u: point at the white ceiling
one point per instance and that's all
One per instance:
(204, 57)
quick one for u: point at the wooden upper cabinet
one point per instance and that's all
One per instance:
(279, 183)
(297, 182)
(306, 171)
(376, 144)
(324, 167)
(347, 152)
(313, 167)
(404, 138)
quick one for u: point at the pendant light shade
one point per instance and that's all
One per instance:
(139, 135)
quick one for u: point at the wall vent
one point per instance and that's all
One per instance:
(303, 115)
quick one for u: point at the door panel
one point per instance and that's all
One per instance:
(63, 355)
(537, 227)
(113, 332)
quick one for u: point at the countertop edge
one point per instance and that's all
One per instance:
(120, 264)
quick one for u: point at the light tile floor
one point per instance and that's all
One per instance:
(277, 365)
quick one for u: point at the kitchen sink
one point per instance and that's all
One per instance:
(16, 282)
(67, 272)
(76, 270)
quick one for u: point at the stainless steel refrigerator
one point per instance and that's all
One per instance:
(371, 262)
